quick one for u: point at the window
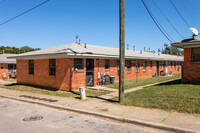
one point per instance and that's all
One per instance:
(195, 54)
(160, 64)
(174, 65)
(144, 65)
(163, 64)
(31, 66)
(137, 65)
(171, 64)
(78, 64)
(106, 64)
(151, 64)
(128, 65)
(11, 68)
(52, 67)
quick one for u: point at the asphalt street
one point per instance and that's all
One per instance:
(17, 117)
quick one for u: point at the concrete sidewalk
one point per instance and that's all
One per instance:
(171, 121)
(114, 92)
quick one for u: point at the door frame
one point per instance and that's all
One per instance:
(90, 72)
(157, 67)
(166, 68)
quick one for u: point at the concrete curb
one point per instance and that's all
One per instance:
(111, 117)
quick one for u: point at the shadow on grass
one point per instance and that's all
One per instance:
(174, 82)
(108, 100)
(177, 82)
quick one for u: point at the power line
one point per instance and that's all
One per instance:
(156, 22)
(167, 19)
(186, 9)
(24, 13)
(179, 14)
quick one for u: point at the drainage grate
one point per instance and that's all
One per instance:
(33, 118)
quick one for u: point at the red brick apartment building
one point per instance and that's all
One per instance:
(191, 71)
(68, 67)
(7, 66)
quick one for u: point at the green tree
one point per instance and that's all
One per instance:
(14, 50)
(172, 50)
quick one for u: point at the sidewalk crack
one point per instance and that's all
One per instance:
(165, 118)
(126, 111)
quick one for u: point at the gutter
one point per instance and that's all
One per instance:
(184, 45)
(89, 55)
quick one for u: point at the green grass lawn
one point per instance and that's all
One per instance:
(141, 82)
(54, 92)
(172, 96)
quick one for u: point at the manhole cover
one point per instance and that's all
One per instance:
(71, 117)
(33, 118)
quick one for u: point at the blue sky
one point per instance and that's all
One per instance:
(95, 21)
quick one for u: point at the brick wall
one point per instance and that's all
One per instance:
(3, 69)
(68, 79)
(150, 71)
(191, 69)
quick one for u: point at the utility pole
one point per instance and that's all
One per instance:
(121, 49)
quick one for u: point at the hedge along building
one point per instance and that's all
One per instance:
(70, 66)
(7, 66)
(191, 72)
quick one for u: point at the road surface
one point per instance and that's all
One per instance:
(18, 117)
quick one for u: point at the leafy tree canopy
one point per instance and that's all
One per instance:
(168, 49)
(14, 50)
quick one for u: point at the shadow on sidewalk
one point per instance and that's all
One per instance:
(108, 100)
(38, 98)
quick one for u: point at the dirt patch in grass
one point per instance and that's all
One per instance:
(54, 92)
(11, 80)
(171, 96)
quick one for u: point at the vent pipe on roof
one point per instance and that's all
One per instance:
(140, 51)
(158, 51)
(85, 46)
(133, 47)
(76, 38)
(79, 41)
(127, 46)
(3, 52)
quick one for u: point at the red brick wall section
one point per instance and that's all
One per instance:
(4, 69)
(68, 79)
(191, 69)
(78, 78)
(41, 74)
(150, 71)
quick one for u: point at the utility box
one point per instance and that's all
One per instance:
(112, 79)
(82, 92)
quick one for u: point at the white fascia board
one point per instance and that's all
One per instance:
(82, 55)
(186, 45)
